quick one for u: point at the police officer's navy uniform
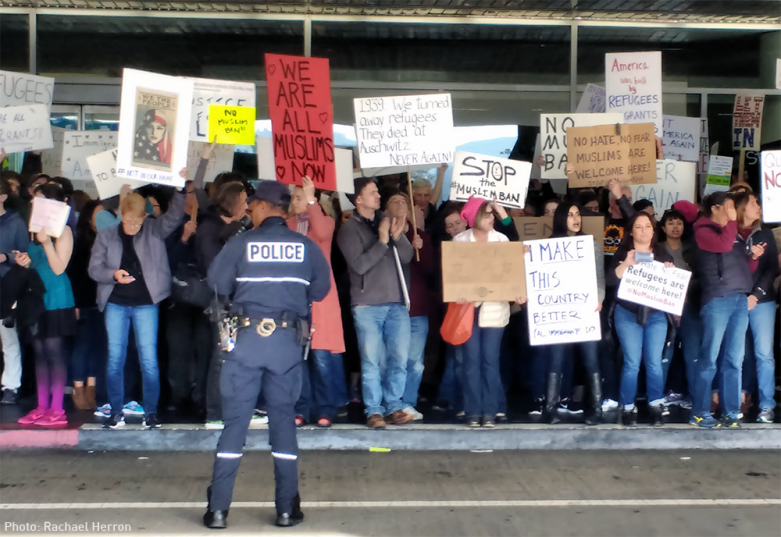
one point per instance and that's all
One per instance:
(270, 273)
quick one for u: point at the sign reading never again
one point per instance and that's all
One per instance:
(490, 178)
(675, 181)
(302, 122)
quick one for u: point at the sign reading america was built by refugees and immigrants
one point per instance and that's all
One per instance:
(633, 86)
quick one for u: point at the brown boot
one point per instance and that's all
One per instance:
(90, 397)
(375, 421)
(399, 418)
(80, 397)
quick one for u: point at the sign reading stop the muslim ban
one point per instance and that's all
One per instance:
(771, 185)
(232, 124)
(302, 121)
(561, 283)
(490, 178)
(633, 86)
(656, 286)
(404, 131)
(600, 154)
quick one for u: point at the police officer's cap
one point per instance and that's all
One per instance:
(272, 192)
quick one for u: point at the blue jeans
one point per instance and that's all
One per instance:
(90, 347)
(481, 379)
(145, 320)
(641, 343)
(384, 341)
(725, 321)
(761, 321)
(417, 348)
(588, 354)
(450, 387)
(328, 387)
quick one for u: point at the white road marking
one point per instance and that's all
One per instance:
(683, 502)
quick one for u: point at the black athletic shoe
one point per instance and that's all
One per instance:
(629, 417)
(286, 520)
(115, 422)
(151, 422)
(216, 520)
(10, 397)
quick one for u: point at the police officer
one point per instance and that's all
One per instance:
(272, 275)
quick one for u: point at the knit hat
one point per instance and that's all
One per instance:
(469, 212)
(689, 210)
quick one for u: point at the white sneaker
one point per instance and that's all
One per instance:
(609, 404)
(410, 410)
(258, 420)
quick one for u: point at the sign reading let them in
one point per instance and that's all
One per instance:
(302, 120)
(232, 125)
(600, 154)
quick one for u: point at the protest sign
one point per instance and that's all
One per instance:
(770, 179)
(540, 227)
(633, 87)
(600, 154)
(675, 181)
(21, 89)
(747, 121)
(51, 159)
(778, 73)
(490, 178)
(77, 146)
(702, 162)
(221, 160)
(25, 128)
(561, 282)
(553, 135)
(592, 101)
(49, 215)
(301, 112)
(404, 131)
(103, 168)
(656, 286)
(681, 138)
(232, 125)
(483, 271)
(265, 152)
(344, 171)
(154, 120)
(719, 174)
(223, 92)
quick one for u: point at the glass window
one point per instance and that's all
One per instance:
(101, 118)
(15, 43)
(208, 48)
(65, 116)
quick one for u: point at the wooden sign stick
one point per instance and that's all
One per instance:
(412, 208)
(741, 164)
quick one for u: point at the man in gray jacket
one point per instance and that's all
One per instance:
(375, 248)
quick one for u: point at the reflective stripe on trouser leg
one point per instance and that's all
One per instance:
(239, 386)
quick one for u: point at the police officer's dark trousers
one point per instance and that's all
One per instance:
(272, 364)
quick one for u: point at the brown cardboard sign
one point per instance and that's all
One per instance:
(606, 152)
(483, 271)
(540, 227)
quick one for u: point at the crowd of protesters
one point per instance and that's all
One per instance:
(139, 260)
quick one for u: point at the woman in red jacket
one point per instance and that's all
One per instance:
(327, 374)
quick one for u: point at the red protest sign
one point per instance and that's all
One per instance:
(302, 121)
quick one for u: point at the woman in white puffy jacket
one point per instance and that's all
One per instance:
(481, 381)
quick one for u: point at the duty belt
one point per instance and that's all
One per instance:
(268, 325)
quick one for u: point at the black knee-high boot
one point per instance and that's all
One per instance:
(594, 417)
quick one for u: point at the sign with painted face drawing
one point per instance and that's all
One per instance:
(490, 178)
(561, 283)
(770, 178)
(633, 87)
(656, 286)
(553, 134)
(404, 131)
(681, 138)
(675, 181)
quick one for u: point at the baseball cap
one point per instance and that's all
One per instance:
(272, 192)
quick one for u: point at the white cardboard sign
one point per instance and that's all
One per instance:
(24, 89)
(770, 179)
(50, 215)
(675, 181)
(222, 92)
(553, 136)
(221, 161)
(681, 138)
(719, 174)
(404, 131)
(592, 101)
(561, 283)
(103, 168)
(51, 159)
(490, 178)
(656, 286)
(633, 87)
(25, 128)
(154, 124)
(78, 145)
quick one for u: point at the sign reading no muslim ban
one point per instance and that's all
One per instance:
(554, 138)
(302, 119)
(770, 177)
(20, 89)
(25, 128)
(747, 121)
(656, 286)
(675, 181)
(623, 152)
(223, 92)
(404, 131)
(561, 283)
(490, 178)
(633, 86)
(681, 138)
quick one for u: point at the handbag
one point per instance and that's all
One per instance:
(457, 325)
(187, 287)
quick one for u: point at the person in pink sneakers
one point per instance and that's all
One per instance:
(49, 258)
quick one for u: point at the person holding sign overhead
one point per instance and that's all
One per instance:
(50, 259)
(641, 330)
(567, 223)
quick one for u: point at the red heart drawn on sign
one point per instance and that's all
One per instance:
(280, 172)
(324, 117)
(272, 69)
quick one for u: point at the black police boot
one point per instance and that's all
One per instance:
(216, 520)
(552, 397)
(286, 520)
(595, 387)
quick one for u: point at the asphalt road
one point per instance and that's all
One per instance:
(507, 493)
